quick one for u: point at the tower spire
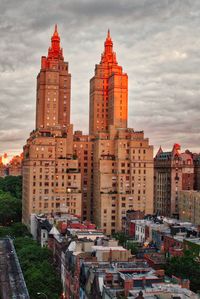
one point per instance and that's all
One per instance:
(108, 54)
(108, 41)
(55, 51)
(55, 36)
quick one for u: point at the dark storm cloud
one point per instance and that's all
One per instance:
(157, 43)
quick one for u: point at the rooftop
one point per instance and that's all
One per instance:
(164, 290)
(108, 248)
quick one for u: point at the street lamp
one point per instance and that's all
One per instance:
(40, 293)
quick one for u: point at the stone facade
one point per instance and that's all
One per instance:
(123, 177)
(123, 158)
(98, 176)
(51, 175)
(189, 206)
(83, 146)
(173, 171)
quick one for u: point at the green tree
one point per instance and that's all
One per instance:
(13, 185)
(133, 247)
(10, 200)
(10, 208)
(42, 278)
(15, 230)
(185, 267)
(121, 237)
(37, 267)
(36, 262)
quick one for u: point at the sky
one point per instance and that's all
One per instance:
(156, 41)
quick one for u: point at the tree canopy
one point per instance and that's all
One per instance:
(15, 230)
(185, 267)
(121, 237)
(38, 270)
(10, 208)
(13, 185)
(133, 246)
(36, 262)
(10, 200)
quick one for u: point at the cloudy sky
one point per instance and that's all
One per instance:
(157, 42)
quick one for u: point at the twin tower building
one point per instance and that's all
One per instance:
(97, 176)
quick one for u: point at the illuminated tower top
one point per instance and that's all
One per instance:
(53, 88)
(108, 93)
(108, 55)
(55, 52)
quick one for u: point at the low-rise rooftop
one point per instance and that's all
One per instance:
(164, 291)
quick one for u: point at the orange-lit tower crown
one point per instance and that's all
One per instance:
(108, 93)
(53, 88)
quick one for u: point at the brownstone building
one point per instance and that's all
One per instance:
(173, 171)
(98, 176)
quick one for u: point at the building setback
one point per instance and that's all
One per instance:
(98, 176)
